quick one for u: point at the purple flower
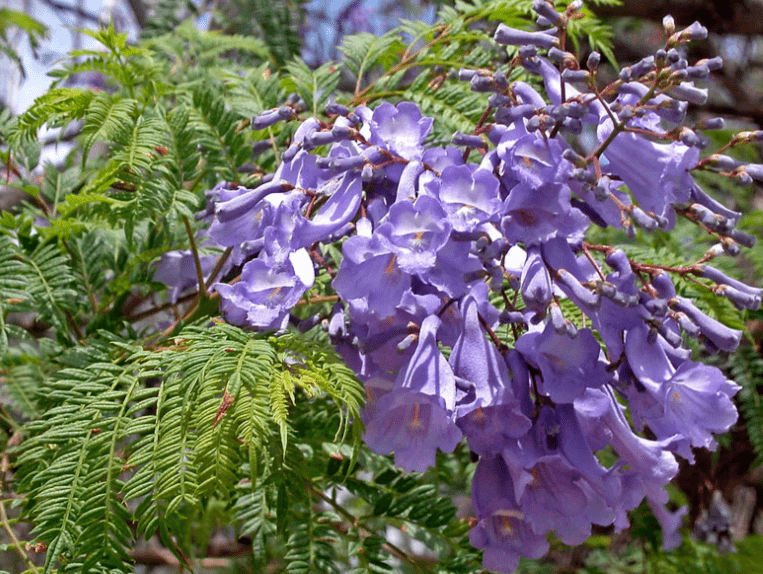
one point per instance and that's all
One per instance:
(656, 174)
(266, 293)
(415, 418)
(488, 413)
(336, 213)
(568, 365)
(536, 282)
(686, 404)
(537, 214)
(470, 198)
(370, 272)
(415, 232)
(670, 522)
(502, 530)
(177, 269)
(505, 537)
(532, 159)
(652, 466)
(401, 130)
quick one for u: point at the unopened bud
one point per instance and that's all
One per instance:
(546, 10)
(669, 24)
(687, 91)
(513, 37)
(694, 32)
(465, 140)
(580, 76)
(698, 72)
(593, 61)
(643, 220)
(689, 138)
(673, 55)
(713, 64)
(334, 109)
(465, 74)
(711, 124)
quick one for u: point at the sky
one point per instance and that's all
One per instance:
(62, 38)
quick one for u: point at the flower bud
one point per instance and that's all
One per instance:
(334, 109)
(740, 299)
(528, 52)
(460, 139)
(711, 124)
(270, 117)
(582, 294)
(498, 100)
(643, 66)
(546, 10)
(694, 32)
(657, 307)
(511, 317)
(580, 76)
(481, 84)
(465, 74)
(721, 336)
(688, 327)
(698, 72)
(673, 338)
(572, 125)
(669, 24)
(689, 138)
(663, 285)
(593, 61)
(713, 64)
(533, 124)
(742, 238)
(686, 91)
(601, 189)
(642, 219)
(513, 37)
(500, 79)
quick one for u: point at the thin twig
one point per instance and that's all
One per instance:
(196, 260)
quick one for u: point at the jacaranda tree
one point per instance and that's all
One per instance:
(253, 306)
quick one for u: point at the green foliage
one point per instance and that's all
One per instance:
(144, 416)
(11, 20)
(114, 433)
(746, 369)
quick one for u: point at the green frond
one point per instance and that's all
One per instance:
(108, 119)
(74, 493)
(313, 86)
(363, 52)
(453, 104)
(746, 368)
(56, 108)
(50, 284)
(309, 549)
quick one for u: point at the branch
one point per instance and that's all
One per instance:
(139, 11)
(61, 7)
(720, 16)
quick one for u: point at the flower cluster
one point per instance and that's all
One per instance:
(440, 253)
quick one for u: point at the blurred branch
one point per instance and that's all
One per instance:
(139, 11)
(721, 16)
(61, 7)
